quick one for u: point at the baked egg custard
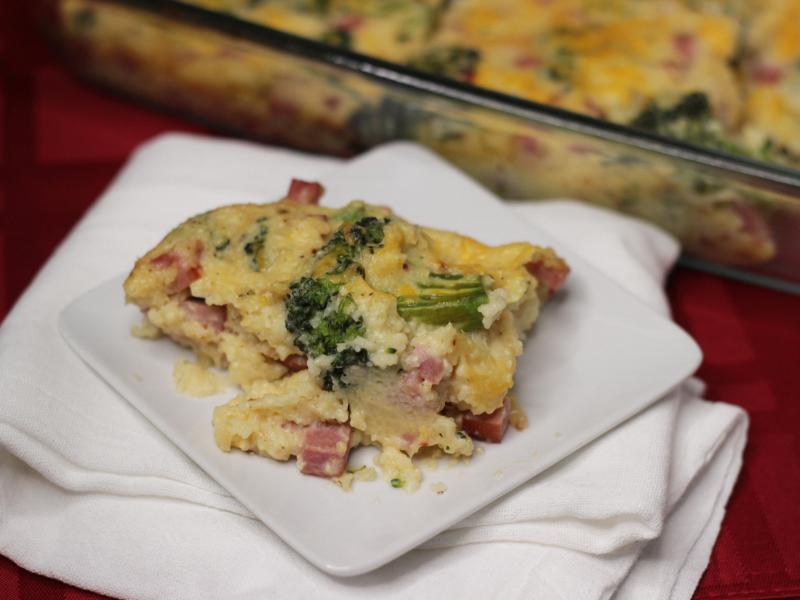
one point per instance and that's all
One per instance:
(347, 327)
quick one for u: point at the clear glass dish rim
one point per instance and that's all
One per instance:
(775, 178)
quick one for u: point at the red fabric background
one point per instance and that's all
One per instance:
(61, 143)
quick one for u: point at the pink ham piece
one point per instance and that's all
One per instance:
(489, 427)
(326, 447)
(305, 192)
(583, 149)
(527, 60)
(529, 145)
(210, 317)
(165, 260)
(431, 368)
(685, 45)
(295, 362)
(409, 394)
(552, 277)
(753, 222)
(185, 277)
(767, 74)
(187, 267)
(349, 22)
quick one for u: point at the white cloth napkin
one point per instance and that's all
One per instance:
(92, 494)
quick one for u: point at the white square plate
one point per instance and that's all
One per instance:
(596, 357)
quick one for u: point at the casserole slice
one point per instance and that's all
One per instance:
(347, 327)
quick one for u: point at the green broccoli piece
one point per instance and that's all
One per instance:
(692, 107)
(333, 327)
(319, 317)
(351, 239)
(446, 298)
(690, 119)
(354, 211)
(341, 38)
(254, 244)
(455, 62)
(562, 65)
(367, 231)
(343, 360)
(306, 298)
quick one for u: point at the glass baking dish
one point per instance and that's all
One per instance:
(734, 216)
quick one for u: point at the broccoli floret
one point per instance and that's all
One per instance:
(340, 38)
(690, 119)
(561, 65)
(351, 239)
(306, 298)
(367, 231)
(391, 118)
(319, 317)
(221, 246)
(692, 107)
(333, 327)
(446, 298)
(455, 62)
(254, 244)
(348, 357)
(354, 211)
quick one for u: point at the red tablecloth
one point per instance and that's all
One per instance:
(62, 142)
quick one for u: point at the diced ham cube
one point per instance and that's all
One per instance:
(411, 392)
(425, 366)
(165, 260)
(326, 447)
(410, 395)
(528, 145)
(187, 267)
(579, 148)
(212, 317)
(768, 74)
(685, 45)
(753, 222)
(431, 368)
(349, 22)
(552, 276)
(489, 427)
(305, 192)
(295, 362)
(185, 276)
(409, 439)
(528, 60)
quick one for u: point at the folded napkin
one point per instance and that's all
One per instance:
(92, 494)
